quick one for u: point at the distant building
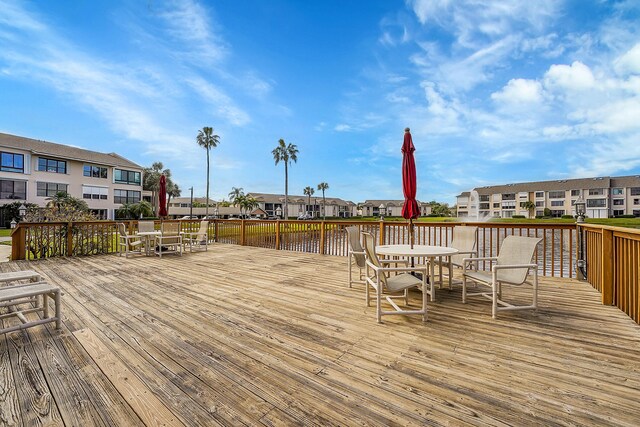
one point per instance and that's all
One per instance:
(33, 171)
(393, 207)
(181, 206)
(299, 205)
(604, 197)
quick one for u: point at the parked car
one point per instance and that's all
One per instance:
(305, 216)
(189, 217)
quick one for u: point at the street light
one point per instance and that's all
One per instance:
(191, 205)
(383, 210)
(279, 212)
(580, 206)
(216, 212)
(22, 210)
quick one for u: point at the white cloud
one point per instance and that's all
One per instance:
(519, 91)
(574, 77)
(629, 63)
(342, 127)
(222, 104)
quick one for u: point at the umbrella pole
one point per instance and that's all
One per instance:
(411, 235)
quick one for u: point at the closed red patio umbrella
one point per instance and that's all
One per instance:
(162, 196)
(410, 208)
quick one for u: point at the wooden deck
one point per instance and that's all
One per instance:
(249, 336)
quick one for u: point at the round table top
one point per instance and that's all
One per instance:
(417, 251)
(149, 233)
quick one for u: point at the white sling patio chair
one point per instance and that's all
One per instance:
(128, 243)
(511, 267)
(355, 255)
(198, 240)
(393, 287)
(465, 241)
(170, 240)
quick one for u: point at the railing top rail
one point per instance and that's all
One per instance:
(610, 227)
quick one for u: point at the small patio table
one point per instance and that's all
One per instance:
(419, 251)
(147, 239)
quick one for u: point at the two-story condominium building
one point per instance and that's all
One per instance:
(299, 205)
(604, 197)
(33, 171)
(391, 207)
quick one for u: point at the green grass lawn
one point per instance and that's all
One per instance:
(5, 232)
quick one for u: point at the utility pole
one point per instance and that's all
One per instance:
(191, 205)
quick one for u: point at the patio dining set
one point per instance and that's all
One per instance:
(168, 239)
(390, 271)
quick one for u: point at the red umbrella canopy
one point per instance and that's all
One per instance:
(163, 196)
(410, 208)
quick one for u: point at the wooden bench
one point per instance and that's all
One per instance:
(11, 296)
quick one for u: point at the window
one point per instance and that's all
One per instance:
(509, 196)
(96, 193)
(539, 213)
(484, 198)
(484, 206)
(99, 213)
(575, 193)
(557, 203)
(557, 213)
(539, 204)
(94, 171)
(16, 190)
(596, 203)
(12, 162)
(496, 205)
(618, 212)
(596, 191)
(618, 202)
(183, 205)
(617, 191)
(556, 194)
(127, 177)
(51, 165)
(50, 189)
(635, 191)
(636, 212)
(509, 205)
(126, 196)
(540, 194)
(636, 201)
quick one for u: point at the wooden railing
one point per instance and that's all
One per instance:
(556, 255)
(612, 256)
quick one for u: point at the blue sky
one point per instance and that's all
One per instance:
(494, 91)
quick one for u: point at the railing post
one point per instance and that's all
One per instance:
(278, 234)
(381, 233)
(18, 243)
(215, 230)
(322, 237)
(242, 236)
(70, 239)
(607, 267)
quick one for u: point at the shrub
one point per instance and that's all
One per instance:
(624, 216)
(518, 216)
(567, 217)
(539, 217)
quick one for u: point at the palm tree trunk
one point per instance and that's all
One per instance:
(286, 191)
(324, 207)
(206, 210)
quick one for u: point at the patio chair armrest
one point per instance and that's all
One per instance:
(511, 266)
(466, 261)
(396, 269)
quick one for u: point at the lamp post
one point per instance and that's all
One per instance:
(216, 212)
(580, 206)
(383, 210)
(279, 212)
(191, 204)
(22, 211)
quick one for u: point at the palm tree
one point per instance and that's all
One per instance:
(285, 153)
(172, 191)
(529, 206)
(207, 140)
(308, 191)
(322, 187)
(239, 201)
(249, 204)
(235, 192)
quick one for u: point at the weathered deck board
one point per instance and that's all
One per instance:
(248, 336)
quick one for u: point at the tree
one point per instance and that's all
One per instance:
(207, 140)
(134, 210)
(322, 187)
(440, 209)
(239, 201)
(172, 191)
(308, 191)
(529, 206)
(151, 182)
(249, 204)
(60, 208)
(286, 154)
(235, 192)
